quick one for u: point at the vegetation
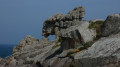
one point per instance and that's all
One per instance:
(57, 45)
(86, 45)
(70, 53)
(97, 26)
(60, 39)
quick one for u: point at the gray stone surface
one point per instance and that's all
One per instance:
(83, 30)
(105, 51)
(1, 58)
(27, 43)
(12, 62)
(75, 36)
(111, 25)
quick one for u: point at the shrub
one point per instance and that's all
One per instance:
(97, 26)
(88, 44)
(70, 53)
(60, 39)
(57, 45)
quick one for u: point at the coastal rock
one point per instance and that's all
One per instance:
(69, 28)
(75, 36)
(71, 46)
(62, 21)
(2, 66)
(104, 52)
(26, 44)
(1, 58)
(12, 62)
(111, 25)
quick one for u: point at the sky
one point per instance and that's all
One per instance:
(19, 18)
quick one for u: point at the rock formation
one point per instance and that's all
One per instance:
(69, 28)
(59, 21)
(75, 36)
(26, 44)
(78, 43)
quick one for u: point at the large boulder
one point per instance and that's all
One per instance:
(111, 25)
(76, 36)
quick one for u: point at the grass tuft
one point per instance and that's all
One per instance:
(57, 45)
(97, 26)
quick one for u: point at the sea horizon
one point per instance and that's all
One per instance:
(6, 50)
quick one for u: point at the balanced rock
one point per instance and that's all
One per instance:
(75, 36)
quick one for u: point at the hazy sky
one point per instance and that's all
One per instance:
(19, 18)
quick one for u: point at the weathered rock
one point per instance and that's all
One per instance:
(75, 36)
(71, 34)
(111, 25)
(27, 41)
(103, 52)
(20, 62)
(1, 58)
(60, 24)
(12, 63)
(62, 21)
(2, 66)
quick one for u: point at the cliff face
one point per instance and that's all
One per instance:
(78, 43)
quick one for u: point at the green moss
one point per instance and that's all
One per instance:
(60, 39)
(57, 45)
(70, 53)
(97, 26)
(88, 44)
(58, 42)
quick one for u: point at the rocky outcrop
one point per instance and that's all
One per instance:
(62, 21)
(0, 58)
(102, 53)
(73, 32)
(111, 25)
(78, 43)
(30, 54)
(26, 44)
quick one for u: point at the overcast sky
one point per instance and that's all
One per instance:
(19, 18)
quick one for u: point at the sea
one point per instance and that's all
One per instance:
(6, 50)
